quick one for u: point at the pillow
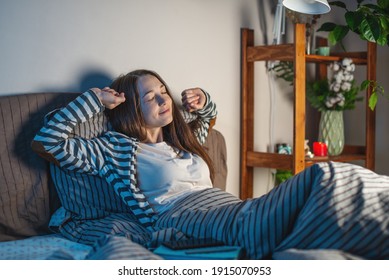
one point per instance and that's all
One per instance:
(215, 145)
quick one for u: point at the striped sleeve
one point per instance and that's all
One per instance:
(204, 116)
(53, 141)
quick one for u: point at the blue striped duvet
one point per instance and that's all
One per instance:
(327, 206)
(335, 206)
(330, 210)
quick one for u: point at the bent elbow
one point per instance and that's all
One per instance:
(40, 150)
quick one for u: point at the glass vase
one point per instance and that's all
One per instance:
(331, 131)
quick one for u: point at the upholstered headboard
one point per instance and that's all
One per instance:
(27, 198)
(27, 195)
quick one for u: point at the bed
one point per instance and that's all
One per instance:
(329, 211)
(28, 197)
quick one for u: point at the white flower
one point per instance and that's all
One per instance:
(346, 86)
(335, 87)
(340, 96)
(341, 83)
(342, 75)
(346, 62)
(349, 77)
(335, 66)
(339, 77)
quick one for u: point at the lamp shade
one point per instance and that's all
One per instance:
(311, 7)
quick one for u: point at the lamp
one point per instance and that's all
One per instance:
(310, 7)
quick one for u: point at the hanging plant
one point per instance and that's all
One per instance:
(284, 70)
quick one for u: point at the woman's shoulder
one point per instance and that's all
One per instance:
(118, 138)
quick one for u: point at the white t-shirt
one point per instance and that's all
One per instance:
(164, 175)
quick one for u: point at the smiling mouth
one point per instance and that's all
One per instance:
(164, 112)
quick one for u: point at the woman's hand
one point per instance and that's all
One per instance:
(109, 97)
(193, 99)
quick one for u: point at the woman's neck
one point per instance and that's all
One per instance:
(154, 135)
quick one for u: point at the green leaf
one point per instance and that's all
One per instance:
(373, 8)
(370, 29)
(337, 34)
(373, 101)
(365, 84)
(382, 41)
(384, 23)
(384, 4)
(327, 26)
(338, 4)
(354, 19)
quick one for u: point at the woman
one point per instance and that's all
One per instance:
(157, 167)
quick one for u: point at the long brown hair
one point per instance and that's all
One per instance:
(127, 118)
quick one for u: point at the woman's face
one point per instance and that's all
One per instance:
(156, 104)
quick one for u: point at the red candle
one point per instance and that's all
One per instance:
(319, 149)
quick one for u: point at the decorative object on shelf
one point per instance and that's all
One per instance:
(320, 148)
(331, 131)
(370, 22)
(338, 92)
(307, 150)
(324, 50)
(283, 148)
(331, 97)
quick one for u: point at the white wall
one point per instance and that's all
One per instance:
(56, 45)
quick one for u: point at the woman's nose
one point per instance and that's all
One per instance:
(161, 100)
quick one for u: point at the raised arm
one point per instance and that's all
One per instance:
(53, 141)
(201, 109)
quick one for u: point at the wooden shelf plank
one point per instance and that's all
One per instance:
(286, 53)
(331, 58)
(269, 160)
(275, 52)
(285, 162)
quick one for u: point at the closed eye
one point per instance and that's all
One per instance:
(151, 98)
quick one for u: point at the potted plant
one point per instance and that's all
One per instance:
(371, 23)
(337, 93)
(331, 97)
